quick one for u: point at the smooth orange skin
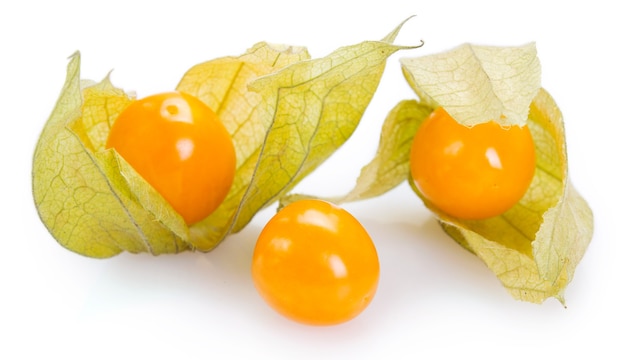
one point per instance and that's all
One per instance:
(314, 263)
(471, 173)
(179, 146)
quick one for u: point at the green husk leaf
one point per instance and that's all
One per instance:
(304, 112)
(285, 113)
(502, 74)
(390, 165)
(534, 247)
(117, 210)
(223, 85)
(478, 83)
(88, 198)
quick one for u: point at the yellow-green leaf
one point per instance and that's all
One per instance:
(478, 83)
(534, 247)
(285, 112)
(90, 199)
(302, 114)
(390, 165)
(223, 85)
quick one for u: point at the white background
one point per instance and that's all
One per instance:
(435, 300)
